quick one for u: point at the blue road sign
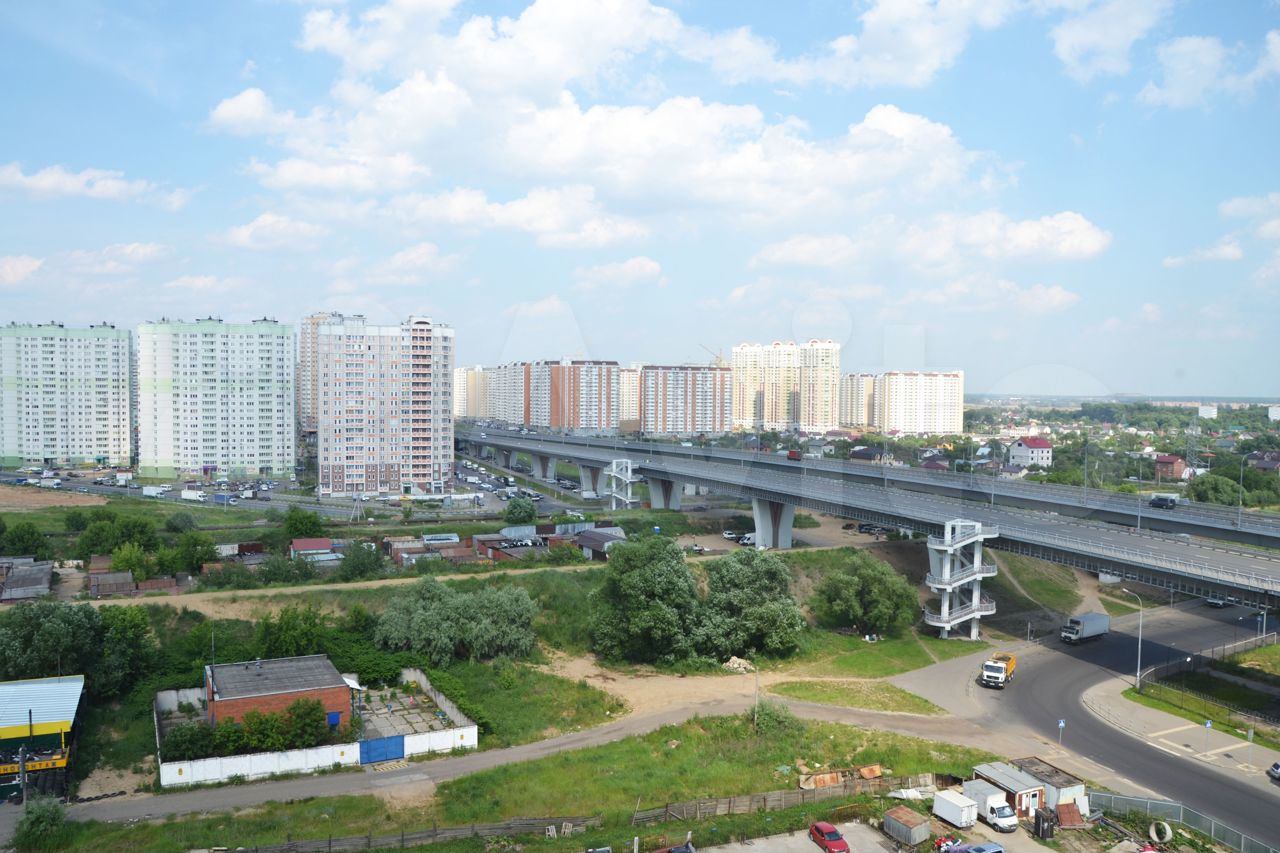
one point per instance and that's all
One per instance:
(1062, 724)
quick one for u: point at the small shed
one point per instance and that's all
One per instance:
(1059, 785)
(26, 582)
(110, 583)
(906, 826)
(310, 547)
(1026, 793)
(595, 544)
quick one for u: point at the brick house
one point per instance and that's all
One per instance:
(1170, 467)
(271, 686)
(1031, 450)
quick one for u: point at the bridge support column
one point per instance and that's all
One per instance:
(665, 494)
(544, 467)
(504, 456)
(589, 478)
(773, 522)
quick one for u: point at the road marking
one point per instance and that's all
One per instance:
(1165, 749)
(1178, 745)
(1175, 729)
(1220, 749)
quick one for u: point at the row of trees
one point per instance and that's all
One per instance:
(301, 726)
(24, 539)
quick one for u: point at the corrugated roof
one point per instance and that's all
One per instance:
(1044, 771)
(279, 675)
(1008, 777)
(50, 700)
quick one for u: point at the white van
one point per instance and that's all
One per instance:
(747, 539)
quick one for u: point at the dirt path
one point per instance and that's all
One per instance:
(30, 498)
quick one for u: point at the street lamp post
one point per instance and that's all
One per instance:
(1084, 485)
(1240, 497)
(1139, 492)
(1137, 680)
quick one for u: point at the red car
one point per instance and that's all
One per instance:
(828, 837)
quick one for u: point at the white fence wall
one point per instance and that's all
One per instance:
(257, 765)
(463, 737)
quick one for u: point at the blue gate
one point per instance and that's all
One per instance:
(381, 749)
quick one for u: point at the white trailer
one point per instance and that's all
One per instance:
(956, 809)
(152, 491)
(193, 495)
(1086, 626)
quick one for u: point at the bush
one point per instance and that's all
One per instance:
(74, 521)
(446, 625)
(774, 719)
(520, 511)
(453, 689)
(180, 522)
(43, 826)
(867, 594)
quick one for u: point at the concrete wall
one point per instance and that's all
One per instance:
(257, 765)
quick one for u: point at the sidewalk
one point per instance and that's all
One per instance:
(1177, 736)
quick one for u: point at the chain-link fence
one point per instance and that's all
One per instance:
(1178, 813)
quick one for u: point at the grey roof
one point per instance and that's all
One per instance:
(278, 675)
(1040, 769)
(1008, 777)
(31, 581)
(596, 540)
(50, 700)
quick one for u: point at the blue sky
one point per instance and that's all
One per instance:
(1056, 196)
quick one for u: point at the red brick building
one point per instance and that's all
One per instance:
(1170, 467)
(270, 686)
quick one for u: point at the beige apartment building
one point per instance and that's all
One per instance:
(786, 386)
(685, 400)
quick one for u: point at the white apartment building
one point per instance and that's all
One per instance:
(507, 393)
(470, 392)
(459, 392)
(215, 398)
(384, 419)
(685, 400)
(786, 386)
(629, 394)
(65, 395)
(857, 399)
(920, 402)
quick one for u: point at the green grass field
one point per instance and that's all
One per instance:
(51, 519)
(1265, 661)
(1171, 702)
(825, 654)
(1052, 585)
(871, 695)
(716, 756)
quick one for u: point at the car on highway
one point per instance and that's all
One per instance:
(827, 837)
(1274, 771)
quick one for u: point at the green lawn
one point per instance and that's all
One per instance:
(525, 704)
(1052, 585)
(51, 519)
(872, 695)
(1265, 661)
(828, 654)
(706, 757)
(1168, 701)
(1224, 691)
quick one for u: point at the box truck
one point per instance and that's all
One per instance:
(993, 808)
(193, 495)
(956, 809)
(997, 671)
(152, 491)
(1086, 626)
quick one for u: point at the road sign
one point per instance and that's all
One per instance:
(1208, 724)
(1062, 724)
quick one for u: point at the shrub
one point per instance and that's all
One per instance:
(43, 826)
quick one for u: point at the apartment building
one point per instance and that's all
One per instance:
(919, 402)
(470, 392)
(507, 393)
(566, 394)
(459, 392)
(215, 398)
(65, 395)
(629, 398)
(384, 406)
(685, 400)
(857, 399)
(786, 386)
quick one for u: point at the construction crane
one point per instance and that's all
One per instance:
(717, 356)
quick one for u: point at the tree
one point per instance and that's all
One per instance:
(100, 537)
(44, 638)
(128, 648)
(300, 524)
(867, 594)
(101, 513)
(361, 561)
(189, 742)
(305, 724)
(1214, 489)
(280, 569)
(180, 522)
(25, 539)
(748, 607)
(192, 550)
(446, 625)
(263, 732)
(520, 511)
(140, 531)
(291, 632)
(75, 520)
(129, 557)
(646, 608)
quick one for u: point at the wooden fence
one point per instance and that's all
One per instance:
(775, 800)
(543, 826)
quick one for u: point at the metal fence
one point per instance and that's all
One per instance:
(775, 800)
(551, 827)
(1178, 813)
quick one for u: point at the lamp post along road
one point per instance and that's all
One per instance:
(1137, 679)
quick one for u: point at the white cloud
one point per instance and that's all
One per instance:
(1195, 68)
(1151, 312)
(1096, 40)
(977, 294)
(1226, 249)
(1270, 229)
(1243, 207)
(116, 258)
(357, 173)
(250, 112)
(14, 269)
(1065, 235)
(202, 284)
(809, 250)
(55, 181)
(275, 231)
(567, 217)
(550, 306)
(621, 274)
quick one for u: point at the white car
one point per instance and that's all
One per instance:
(729, 534)
(1274, 771)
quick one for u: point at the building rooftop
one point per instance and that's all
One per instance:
(27, 581)
(1046, 772)
(278, 675)
(1008, 777)
(51, 702)
(1036, 443)
(596, 540)
(317, 544)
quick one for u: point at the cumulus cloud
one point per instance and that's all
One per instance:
(1243, 207)
(809, 250)
(14, 269)
(621, 274)
(116, 258)
(1097, 38)
(1065, 235)
(201, 284)
(56, 182)
(1196, 68)
(978, 294)
(275, 231)
(1226, 249)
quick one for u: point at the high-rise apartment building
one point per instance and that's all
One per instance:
(857, 399)
(629, 398)
(507, 392)
(568, 394)
(786, 386)
(685, 400)
(384, 406)
(215, 398)
(919, 402)
(470, 392)
(459, 392)
(65, 395)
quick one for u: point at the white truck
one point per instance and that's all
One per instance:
(50, 483)
(193, 495)
(956, 809)
(993, 808)
(152, 491)
(1086, 626)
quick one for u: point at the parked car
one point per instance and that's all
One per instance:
(730, 535)
(827, 837)
(1274, 771)
(1215, 601)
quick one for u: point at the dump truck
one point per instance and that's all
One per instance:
(997, 670)
(1086, 626)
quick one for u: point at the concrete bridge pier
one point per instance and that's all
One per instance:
(505, 457)
(544, 467)
(665, 494)
(589, 477)
(773, 522)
